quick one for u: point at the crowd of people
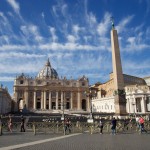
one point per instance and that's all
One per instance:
(10, 124)
(67, 124)
(139, 122)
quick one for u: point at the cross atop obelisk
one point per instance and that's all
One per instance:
(112, 23)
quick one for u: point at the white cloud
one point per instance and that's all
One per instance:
(32, 32)
(14, 47)
(71, 39)
(104, 25)
(5, 25)
(52, 31)
(60, 9)
(4, 39)
(133, 67)
(15, 6)
(122, 24)
(43, 15)
(6, 79)
(25, 66)
(131, 40)
(20, 55)
(136, 47)
(136, 43)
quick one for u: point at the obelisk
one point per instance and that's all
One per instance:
(120, 102)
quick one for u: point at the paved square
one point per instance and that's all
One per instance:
(85, 141)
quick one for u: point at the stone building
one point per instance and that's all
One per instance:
(121, 94)
(137, 95)
(49, 93)
(147, 80)
(5, 101)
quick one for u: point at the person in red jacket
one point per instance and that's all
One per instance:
(141, 123)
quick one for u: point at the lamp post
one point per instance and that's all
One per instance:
(89, 94)
(63, 115)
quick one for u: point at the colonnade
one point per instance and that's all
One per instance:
(59, 101)
(137, 104)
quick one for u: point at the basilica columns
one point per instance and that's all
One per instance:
(62, 100)
(56, 100)
(143, 104)
(34, 101)
(42, 100)
(79, 101)
(71, 100)
(26, 98)
(50, 101)
(42, 97)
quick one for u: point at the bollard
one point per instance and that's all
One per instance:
(45, 127)
(0, 129)
(34, 129)
(91, 129)
(57, 126)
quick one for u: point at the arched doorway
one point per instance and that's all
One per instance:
(83, 104)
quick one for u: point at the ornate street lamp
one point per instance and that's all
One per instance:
(63, 115)
(89, 94)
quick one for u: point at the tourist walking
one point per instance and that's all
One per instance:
(141, 122)
(137, 123)
(113, 128)
(22, 124)
(67, 125)
(10, 123)
(125, 125)
(101, 126)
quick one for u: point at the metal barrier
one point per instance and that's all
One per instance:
(75, 127)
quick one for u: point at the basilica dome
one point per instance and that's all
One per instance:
(48, 72)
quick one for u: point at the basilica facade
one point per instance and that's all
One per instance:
(49, 93)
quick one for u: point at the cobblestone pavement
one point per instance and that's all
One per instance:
(8, 139)
(86, 141)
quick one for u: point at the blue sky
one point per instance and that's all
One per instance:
(74, 35)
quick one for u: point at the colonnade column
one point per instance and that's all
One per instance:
(62, 99)
(129, 105)
(42, 96)
(44, 99)
(88, 103)
(71, 100)
(56, 100)
(50, 101)
(134, 105)
(26, 98)
(34, 103)
(79, 101)
(143, 105)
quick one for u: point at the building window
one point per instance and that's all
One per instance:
(39, 82)
(83, 84)
(21, 81)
